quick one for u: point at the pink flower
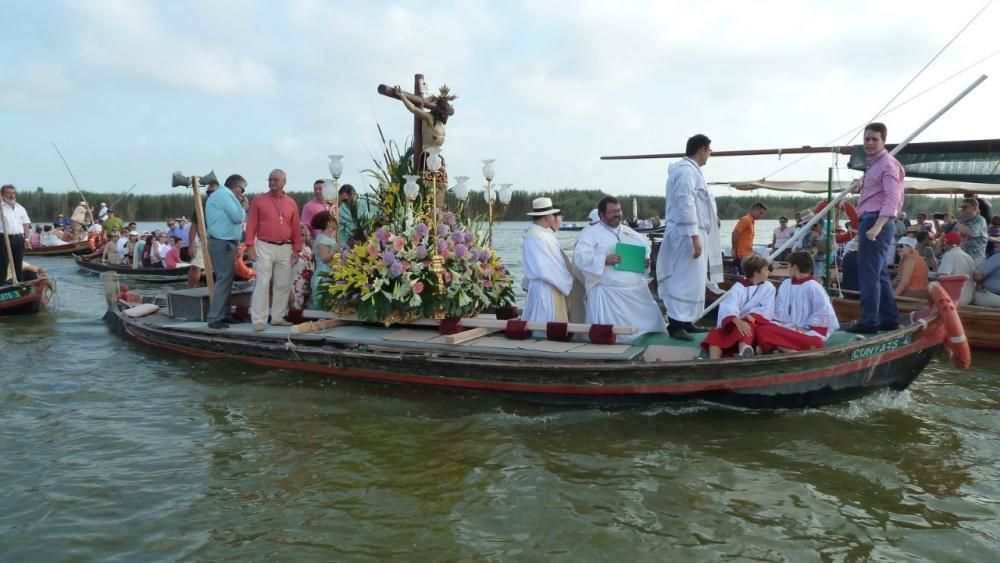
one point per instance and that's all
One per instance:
(447, 276)
(487, 283)
(372, 250)
(398, 243)
(418, 287)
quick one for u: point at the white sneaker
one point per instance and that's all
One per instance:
(746, 352)
(259, 327)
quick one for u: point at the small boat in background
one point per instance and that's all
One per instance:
(60, 250)
(153, 274)
(571, 226)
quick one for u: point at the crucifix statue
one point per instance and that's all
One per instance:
(429, 119)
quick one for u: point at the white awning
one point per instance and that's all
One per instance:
(912, 186)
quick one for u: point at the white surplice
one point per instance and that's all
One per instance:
(690, 210)
(805, 305)
(615, 297)
(546, 277)
(743, 300)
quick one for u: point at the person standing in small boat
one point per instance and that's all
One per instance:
(273, 242)
(615, 297)
(749, 304)
(548, 275)
(17, 226)
(224, 216)
(744, 233)
(803, 315)
(691, 251)
(880, 202)
(324, 248)
(316, 205)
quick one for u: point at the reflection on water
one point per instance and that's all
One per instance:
(111, 450)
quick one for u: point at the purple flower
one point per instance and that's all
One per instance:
(460, 250)
(421, 252)
(443, 230)
(388, 257)
(484, 256)
(396, 269)
(442, 245)
(382, 234)
(421, 229)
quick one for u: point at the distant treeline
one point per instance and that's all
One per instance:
(575, 204)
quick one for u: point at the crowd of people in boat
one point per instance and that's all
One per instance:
(753, 318)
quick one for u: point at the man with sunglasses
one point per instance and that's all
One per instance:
(880, 203)
(973, 228)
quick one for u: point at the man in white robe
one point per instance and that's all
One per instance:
(615, 297)
(548, 276)
(691, 249)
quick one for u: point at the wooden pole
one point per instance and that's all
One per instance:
(10, 254)
(476, 322)
(90, 211)
(850, 189)
(203, 236)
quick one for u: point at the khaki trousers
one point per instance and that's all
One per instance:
(273, 266)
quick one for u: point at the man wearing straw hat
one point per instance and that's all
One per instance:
(548, 276)
(16, 228)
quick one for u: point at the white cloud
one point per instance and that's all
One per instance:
(129, 37)
(26, 84)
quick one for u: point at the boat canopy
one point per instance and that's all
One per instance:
(911, 186)
(955, 161)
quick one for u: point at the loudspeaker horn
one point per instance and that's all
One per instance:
(179, 180)
(209, 179)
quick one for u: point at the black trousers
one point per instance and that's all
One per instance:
(17, 248)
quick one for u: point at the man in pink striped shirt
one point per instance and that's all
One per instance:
(315, 205)
(880, 202)
(273, 241)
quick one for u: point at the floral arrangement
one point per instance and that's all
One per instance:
(385, 272)
(389, 278)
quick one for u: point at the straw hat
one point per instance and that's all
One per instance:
(542, 206)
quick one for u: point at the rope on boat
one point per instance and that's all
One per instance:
(291, 347)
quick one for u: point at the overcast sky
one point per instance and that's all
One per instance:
(131, 90)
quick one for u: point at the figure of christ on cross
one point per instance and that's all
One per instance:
(429, 128)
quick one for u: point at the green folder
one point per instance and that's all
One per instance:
(633, 257)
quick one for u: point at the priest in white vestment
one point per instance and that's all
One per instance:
(615, 297)
(548, 273)
(691, 251)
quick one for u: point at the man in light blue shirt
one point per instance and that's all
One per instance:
(224, 217)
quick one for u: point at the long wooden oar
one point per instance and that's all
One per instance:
(10, 254)
(75, 183)
(849, 189)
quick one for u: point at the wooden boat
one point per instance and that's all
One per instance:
(61, 250)
(154, 274)
(654, 368)
(26, 298)
(982, 324)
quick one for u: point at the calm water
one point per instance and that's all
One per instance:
(115, 452)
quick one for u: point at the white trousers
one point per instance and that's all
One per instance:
(274, 264)
(986, 298)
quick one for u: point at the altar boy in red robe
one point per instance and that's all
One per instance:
(803, 315)
(749, 304)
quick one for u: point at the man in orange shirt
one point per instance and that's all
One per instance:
(273, 242)
(743, 234)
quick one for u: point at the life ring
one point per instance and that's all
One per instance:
(955, 341)
(92, 241)
(243, 271)
(852, 213)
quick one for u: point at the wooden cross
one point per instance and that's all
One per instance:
(417, 98)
